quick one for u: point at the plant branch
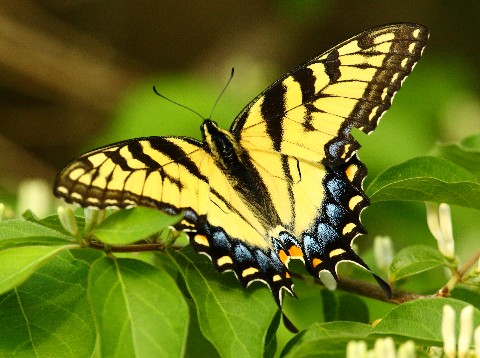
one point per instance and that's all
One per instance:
(374, 291)
(131, 248)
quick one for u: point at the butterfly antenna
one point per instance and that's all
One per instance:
(224, 88)
(178, 104)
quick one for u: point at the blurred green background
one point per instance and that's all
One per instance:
(78, 74)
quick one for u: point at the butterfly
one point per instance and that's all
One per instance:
(284, 182)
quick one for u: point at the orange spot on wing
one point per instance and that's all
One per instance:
(283, 256)
(295, 251)
(351, 171)
(316, 262)
(287, 275)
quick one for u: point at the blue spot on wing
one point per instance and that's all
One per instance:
(221, 240)
(242, 254)
(334, 214)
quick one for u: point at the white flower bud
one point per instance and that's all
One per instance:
(439, 222)
(406, 350)
(34, 194)
(445, 218)
(67, 219)
(383, 252)
(356, 349)
(93, 217)
(384, 348)
(466, 330)
(328, 280)
(448, 331)
(433, 221)
(476, 339)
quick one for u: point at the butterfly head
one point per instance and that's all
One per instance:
(221, 143)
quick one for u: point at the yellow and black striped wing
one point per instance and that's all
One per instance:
(154, 172)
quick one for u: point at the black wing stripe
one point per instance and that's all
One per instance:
(273, 104)
(332, 66)
(177, 155)
(136, 149)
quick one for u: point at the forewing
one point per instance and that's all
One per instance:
(309, 112)
(158, 172)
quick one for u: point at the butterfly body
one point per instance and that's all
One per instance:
(284, 182)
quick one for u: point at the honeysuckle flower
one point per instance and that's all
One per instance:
(384, 347)
(34, 194)
(383, 252)
(439, 222)
(328, 280)
(448, 331)
(466, 330)
(406, 350)
(356, 349)
(93, 216)
(67, 219)
(476, 340)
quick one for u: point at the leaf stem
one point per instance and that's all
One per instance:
(458, 275)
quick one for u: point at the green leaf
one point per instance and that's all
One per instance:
(351, 308)
(48, 315)
(314, 304)
(235, 320)
(19, 263)
(130, 225)
(17, 232)
(419, 320)
(326, 339)
(427, 179)
(197, 344)
(413, 260)
(465, 153)
(469, 296)
(138, 309)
